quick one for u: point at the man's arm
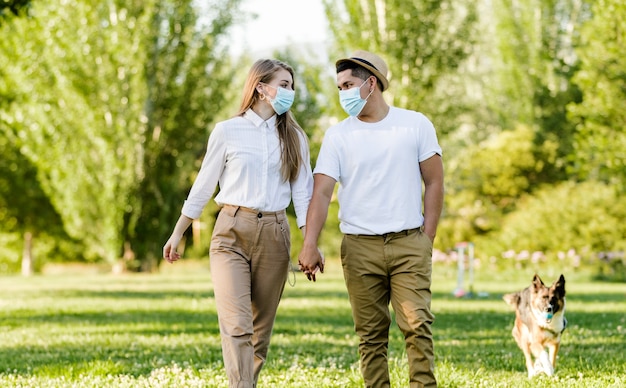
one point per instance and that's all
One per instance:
(310, 259)
(432, 174)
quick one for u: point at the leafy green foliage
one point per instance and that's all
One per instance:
(532, 68)
(502, 168)
(14, 7)
(25, 209)
(586, 217)
(104, 119)
(487, 179)
(108, 109)
(527, 61)
(601, 116)
(74, 114)
(424, 44)
(188, 79)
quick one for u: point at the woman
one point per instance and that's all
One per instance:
(260, 159)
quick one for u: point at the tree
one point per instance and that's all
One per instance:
(518, 138)
(533, 63)
(489, 179)
(189, 78)
(600, 138)
(557, 218)
(14, 7)
(103, 108)
(25, 212)
(76, 115)
(424, 44)
(15, 177)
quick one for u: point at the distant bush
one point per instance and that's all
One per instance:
(573, 222)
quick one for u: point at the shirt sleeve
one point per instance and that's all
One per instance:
(302, 186)
(212, 166)
(328, 158)
(427, 143)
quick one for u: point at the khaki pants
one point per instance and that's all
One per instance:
(249, 265)
(396, 268)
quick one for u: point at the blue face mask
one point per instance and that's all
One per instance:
(283, 99)
(351, 100)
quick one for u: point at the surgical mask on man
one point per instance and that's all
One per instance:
(351, 100)
(283, 100)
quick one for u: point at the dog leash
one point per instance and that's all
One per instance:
(290, 280)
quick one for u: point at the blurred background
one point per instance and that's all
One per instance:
(106, 107)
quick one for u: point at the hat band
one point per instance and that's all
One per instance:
(366, 62)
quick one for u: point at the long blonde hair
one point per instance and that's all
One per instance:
(263, 71)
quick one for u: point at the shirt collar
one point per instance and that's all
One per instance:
(257, 120)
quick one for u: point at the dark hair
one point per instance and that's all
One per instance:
(358, 71)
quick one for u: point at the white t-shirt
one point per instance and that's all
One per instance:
(377, 167)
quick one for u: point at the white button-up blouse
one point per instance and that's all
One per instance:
(243, 156)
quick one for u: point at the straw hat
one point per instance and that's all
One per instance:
(371, 62)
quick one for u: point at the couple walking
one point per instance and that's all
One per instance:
(380, 155)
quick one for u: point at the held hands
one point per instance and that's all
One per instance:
(311, 260)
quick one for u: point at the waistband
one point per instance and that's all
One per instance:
(233, 210)
(401, 233)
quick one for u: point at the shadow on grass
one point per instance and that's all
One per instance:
(137, 338)
(313, 328)
(129, 294)
(123, 358)
(483, 339)
(132, 342)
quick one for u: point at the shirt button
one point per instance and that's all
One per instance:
(260, 215)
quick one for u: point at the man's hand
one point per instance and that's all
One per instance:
(311, 260)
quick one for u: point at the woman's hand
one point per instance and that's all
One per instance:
(170, 252)
(311, 261)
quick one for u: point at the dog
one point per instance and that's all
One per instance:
(539, 323)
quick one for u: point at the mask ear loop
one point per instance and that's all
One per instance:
(262, 95)
(371, 91)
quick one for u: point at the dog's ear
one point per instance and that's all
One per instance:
(537, 283)
(512, 299)
(559, 286)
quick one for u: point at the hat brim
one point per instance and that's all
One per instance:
(365, 65)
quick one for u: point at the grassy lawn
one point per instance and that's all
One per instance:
(91, 330)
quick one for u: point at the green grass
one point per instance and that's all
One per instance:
(90, 330)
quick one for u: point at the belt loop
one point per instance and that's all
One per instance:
(236, 210)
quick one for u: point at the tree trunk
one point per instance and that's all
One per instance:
(27, 255)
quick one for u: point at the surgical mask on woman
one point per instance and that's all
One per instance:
(283, 100)
(351, 100)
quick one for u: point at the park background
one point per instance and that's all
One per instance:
(106, 108)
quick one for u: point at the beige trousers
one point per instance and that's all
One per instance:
(249, 265)
(396, 268)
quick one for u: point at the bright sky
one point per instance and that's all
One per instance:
(279, 23)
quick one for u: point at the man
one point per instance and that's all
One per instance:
(380, 155)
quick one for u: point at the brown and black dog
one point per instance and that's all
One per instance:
(539, 322)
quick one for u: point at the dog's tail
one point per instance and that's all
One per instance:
(512, 299)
